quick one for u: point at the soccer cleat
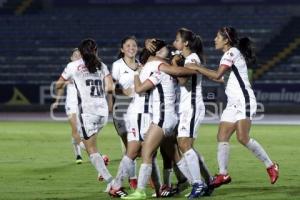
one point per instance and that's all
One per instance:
(273, 172)
(117, 192)
(78, 159)
(133, 183)
(137, 194)
(198, 190)
(166, 191)
(221, 179)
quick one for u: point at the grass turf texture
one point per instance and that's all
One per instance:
(37, 162)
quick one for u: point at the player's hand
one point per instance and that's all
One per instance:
(55, 105)
(150, 45)
(176, 59)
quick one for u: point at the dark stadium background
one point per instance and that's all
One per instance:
(38, 35)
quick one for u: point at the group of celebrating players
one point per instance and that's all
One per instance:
(158, 104)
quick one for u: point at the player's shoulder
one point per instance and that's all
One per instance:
(192, 58)
(75, 63)
(233, 51)
(103, 65)
(118, 63)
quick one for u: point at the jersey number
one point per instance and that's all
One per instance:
(96, 87)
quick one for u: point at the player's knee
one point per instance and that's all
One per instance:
(184, 145)
(242, 139)
(222, 138)
(132, 155)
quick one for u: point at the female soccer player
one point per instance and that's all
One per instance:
(162, 101)
(241, 102)
(92, 80)
(191, 110)
(123, 73)
(71, 110)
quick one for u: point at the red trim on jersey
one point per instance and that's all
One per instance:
(150, 82)
(63, 78)
(225, 65)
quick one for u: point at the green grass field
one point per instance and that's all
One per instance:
(37, 162)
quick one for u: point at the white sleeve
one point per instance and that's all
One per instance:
(115, 71)
(227, 59)
(68, 72)
(105, 70)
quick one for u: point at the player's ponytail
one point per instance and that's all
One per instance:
(88, 51)
(145, 54)
(246, 48)
(194, 42)
(197, 47)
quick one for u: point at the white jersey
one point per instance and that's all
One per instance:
(191, 92)
(89, 86)
(163, 95)
(123, 74)
(237, 82)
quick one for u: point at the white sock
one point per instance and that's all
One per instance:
(167, 174)
(132, 170)
(97, 161)
(259, 152)
(192, 161)
(181, 164)
(123, 172)
(144, 175)
(76, 148)
(155, 175)
(223, 157)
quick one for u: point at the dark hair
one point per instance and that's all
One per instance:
(123, 41)
(145, 54)
(88, 51)
(243, 44)
(194, 42)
